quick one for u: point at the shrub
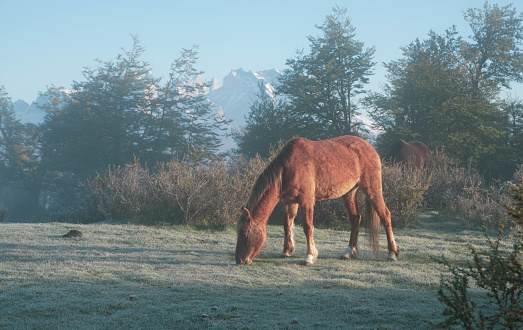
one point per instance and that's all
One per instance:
(403, 189)
(208, 194)
(456, 190)
(211, 194)
(515, 192)
(331, 214)
(497, 273)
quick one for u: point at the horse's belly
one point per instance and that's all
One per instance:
(331, 190)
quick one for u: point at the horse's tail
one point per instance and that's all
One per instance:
(373, 223)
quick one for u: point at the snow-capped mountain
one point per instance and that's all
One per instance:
(239, 91)
(30, 113)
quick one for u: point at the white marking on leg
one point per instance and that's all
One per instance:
(292, 235)
(311, 258)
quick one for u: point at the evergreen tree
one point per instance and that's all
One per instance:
(184, 117)
(119, 113)
(266, 125)
(514, 138)
(18, 158)
(322, 86)
(99, 123)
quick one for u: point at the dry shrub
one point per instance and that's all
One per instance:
(208, 194)
(331, 214)
(460, 191)
(403, 189)
(211, 193)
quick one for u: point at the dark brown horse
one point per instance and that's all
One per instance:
(414, 152)
(305, 172)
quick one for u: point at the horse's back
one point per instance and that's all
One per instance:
(329, 168)
(405, 152)
(422, 147)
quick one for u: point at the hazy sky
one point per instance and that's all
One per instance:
(51, 42)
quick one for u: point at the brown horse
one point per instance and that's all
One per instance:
(414, 152)
(305, 172)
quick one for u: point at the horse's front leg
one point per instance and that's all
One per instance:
(288, 244)
(308, 228)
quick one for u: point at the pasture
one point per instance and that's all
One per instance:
(187, 279)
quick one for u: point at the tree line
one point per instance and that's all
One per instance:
(117, 114)
(445, 90)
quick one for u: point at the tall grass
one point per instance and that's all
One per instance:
(464, 192)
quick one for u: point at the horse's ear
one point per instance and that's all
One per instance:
(246, 213)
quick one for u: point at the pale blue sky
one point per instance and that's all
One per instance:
(50, 42)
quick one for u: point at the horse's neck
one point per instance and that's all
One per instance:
(266, 204)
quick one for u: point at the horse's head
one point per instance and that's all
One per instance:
(251, 237)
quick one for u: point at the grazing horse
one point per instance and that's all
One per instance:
(305, 172)
(414, 152)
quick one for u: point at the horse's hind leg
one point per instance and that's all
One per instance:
(375, 198)
(351, 204)
(384, 214)
(288, 244)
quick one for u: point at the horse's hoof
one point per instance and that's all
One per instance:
(348, 256)
(392, 258)
(351, 253)
(311, 258)
(287, 253)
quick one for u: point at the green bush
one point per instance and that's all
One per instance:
(497, 272)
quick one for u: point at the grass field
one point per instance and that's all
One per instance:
(187, 279)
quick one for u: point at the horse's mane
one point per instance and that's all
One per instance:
(271, 173)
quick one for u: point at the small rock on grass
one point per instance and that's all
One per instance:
(73, 233)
